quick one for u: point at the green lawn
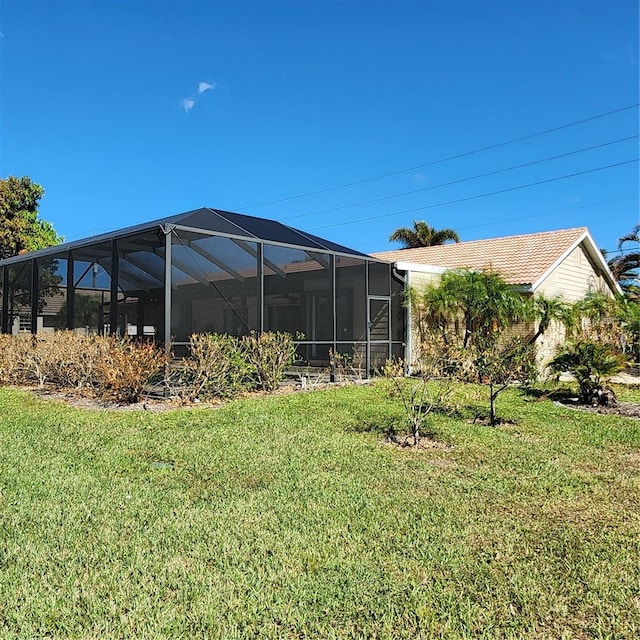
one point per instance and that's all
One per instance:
(286, 517)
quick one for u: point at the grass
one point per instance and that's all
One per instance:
(285, 517)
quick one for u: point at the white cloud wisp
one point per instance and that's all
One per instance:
(188, 103)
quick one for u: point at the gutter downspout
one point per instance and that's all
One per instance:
(407, 329)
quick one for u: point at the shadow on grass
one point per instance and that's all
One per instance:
(562, 394)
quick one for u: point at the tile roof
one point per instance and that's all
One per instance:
(520, 260)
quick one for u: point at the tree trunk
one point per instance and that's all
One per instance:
(492, 406)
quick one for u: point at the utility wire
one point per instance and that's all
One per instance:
(460, 180)
(527, 217)
(477, 196)
(447, 159)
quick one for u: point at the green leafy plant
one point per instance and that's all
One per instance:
(215, 367)
(591, 363)
(269, 355)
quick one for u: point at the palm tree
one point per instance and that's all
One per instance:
(630, 237)
(548, 310)
(423, 235)
(481, 303)
(625, 267)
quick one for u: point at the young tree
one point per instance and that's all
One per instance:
(476, 311)
(423, 235)
(20, 228)
(425, 392)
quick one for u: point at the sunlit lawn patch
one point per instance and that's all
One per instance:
(288, 517)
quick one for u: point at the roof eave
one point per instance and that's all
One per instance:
(419, 268)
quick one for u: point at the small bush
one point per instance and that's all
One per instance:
(215, 367)
(269, 354)
(10, 359)
(74, 359)
(125, 367)
(37, 357)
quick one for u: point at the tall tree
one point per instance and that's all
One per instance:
(423, 235)
(20, 228)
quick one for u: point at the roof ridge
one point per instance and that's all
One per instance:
(523, 235)
(406, 251)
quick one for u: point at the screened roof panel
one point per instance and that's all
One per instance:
(210, 220)
(332, 246)
(269, 230)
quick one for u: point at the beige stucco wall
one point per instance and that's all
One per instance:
(420, 279)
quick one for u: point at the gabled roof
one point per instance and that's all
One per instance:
(224, 223)
(522, 260)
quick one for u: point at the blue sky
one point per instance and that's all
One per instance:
(131, 110)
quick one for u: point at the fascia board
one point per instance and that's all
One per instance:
(419, 268)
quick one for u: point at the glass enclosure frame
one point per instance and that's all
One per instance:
(211, 271)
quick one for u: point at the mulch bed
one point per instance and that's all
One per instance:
(625, 409)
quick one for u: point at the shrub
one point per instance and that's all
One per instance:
(37, 357)
(125, 367)
(74, 359)
(215, 367)
(269, 354)
(423, 393)
(10, 359)
(590, 363)
(345, 366)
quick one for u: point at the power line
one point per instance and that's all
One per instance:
(529, 216)
(476, 197)
(460, 180)
(447, 159)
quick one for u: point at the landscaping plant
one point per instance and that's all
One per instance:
(503, 362)
(591, 363)
(472, 315)
(269, 355)
(214, 368)
(126, 367)
(423, 392)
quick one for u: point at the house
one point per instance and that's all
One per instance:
(565, 263)
(214, 271)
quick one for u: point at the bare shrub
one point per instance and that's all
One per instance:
(37, 359)
(10, 359)
(348, 366)
(125, 367)
(269, 354)
(76, 358)
(501, 363)
(423, 393)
